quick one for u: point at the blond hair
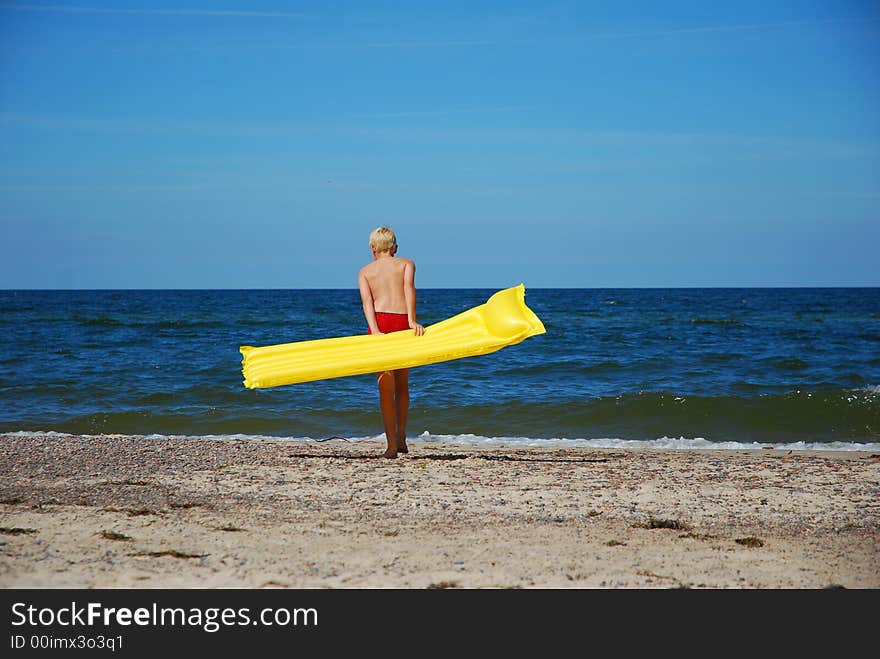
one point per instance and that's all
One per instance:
(383, 239)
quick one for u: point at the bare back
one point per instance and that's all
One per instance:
(386, 277)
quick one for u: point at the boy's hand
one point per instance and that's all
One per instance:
(418, 329)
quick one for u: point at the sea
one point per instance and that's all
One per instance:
(727, 368)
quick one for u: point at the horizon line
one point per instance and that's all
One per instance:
(467, 288)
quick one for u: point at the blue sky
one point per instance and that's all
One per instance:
(212, 144)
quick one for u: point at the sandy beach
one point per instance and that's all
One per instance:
(128, 512)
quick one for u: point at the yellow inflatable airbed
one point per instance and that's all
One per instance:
(503, 320)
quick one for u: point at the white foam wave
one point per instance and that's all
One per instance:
(667, 443)
(659, 443)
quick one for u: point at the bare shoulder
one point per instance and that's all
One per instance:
(363, 272)
(408, 262)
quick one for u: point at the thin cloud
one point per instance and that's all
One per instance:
(566, 38)
(449, 43)
(585, 36)
(441, 44)
(741, 27)
(441, 112)
(734, 145)
(153, 12)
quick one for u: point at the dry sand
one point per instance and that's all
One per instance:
(122, 512)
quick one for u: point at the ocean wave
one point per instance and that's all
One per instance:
(671, 443)
(558, 369)
(722, 357)
(786, 363)
(846, 415)
(660, 443)
(725, 322)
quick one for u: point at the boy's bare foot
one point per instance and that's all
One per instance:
(390, 454)
(401, 446)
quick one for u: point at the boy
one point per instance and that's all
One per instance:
(388, 294)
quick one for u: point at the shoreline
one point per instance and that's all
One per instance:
(117, 511)
(478, 441)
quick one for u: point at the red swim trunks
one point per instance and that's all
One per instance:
(391, 322)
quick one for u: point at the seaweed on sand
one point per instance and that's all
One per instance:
(657, 523)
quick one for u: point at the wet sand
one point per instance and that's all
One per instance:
(128, 512)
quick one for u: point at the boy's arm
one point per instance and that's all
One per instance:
(367, 301)
(409, 294)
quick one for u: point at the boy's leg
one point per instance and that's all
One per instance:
(389, 417)
(401, 406)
